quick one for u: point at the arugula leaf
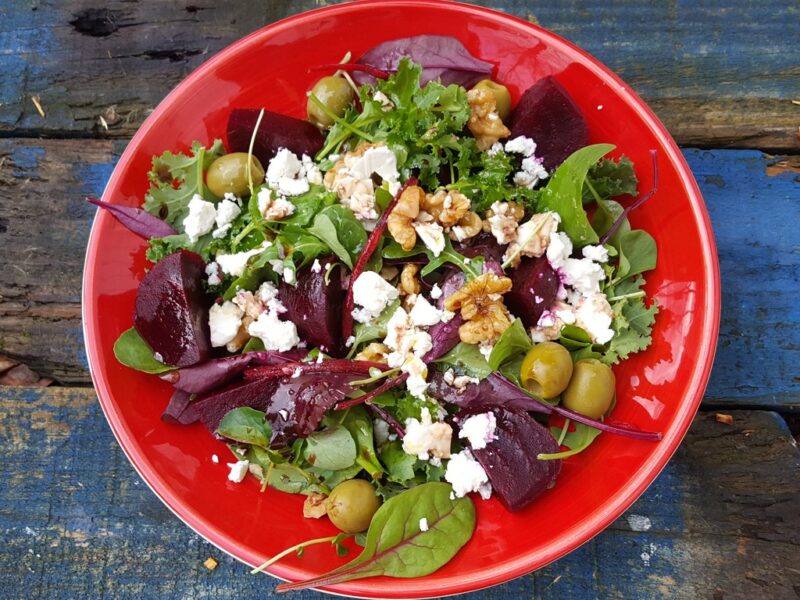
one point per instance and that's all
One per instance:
(512, 342)
(486, 178)
(341, 231)
(301, 244)
(307, 205)
(132, 351)
(467, 358)
(471, 267)
(175, 178)
(331, 449)
(283, 476)
(577, 440)
(246, 425)
(563, 193)
(609, 178)
(397, 547)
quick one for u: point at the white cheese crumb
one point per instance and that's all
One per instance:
(380, 429)
(276, 335)
(350, 341)
(424, 438)
(227, 211)
(596, 253)
(238, 470)
(432, 235)
(485, 349)
(312, 172)
(224, 321)
(234, 264)
(272, 207)
(594, 315)
(373, 294)
(436, 292)
(212, 270)
(583, 275)
(215, 459)
(424, 314)
(479, 430)
(201, 218)
(559, 249)
(288, 275)
(285, 173)
(316, 267)
(466, 475)
(423, 524)
(383, 100)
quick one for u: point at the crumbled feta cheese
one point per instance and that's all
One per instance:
(224, 321)
(353, 182)
(311, 170)
(583, 275)
(424, 438)
(234, 264)
(532, 172)
(158, 356)
(559, 249)
(316, 267)
(460, 382)
(534, 235)
(466, 475)
(417, 373)
(436, 292)
(273, 207)
(594, 315)
(288, 275)
(215, 459)
(479, 430)
(373, 294)
(227, 210)
(383, 99)
(297, 372)
(503, 224)
(409, 345)
(424, 314)
(286, 174)
(379, 160)
(495, 149)
(485, 349)
(276, 335)
(212, 270)
(596, 253)
(521, 145)
(238, 470)
(423, 524)
(201, 218)
(432, 235)
(380, 429)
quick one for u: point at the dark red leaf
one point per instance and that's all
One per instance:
(137, 220)
(276, 131)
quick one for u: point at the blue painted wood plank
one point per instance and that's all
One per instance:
(731, 66)
(76, 521)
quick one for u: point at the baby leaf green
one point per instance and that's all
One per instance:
(331, 449)
(513, 341)
(246, 425)
(132, 351)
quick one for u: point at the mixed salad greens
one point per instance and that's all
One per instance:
(415, 295)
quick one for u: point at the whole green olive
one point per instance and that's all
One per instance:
(546, 370)
(501, 95)
(335, 93)
(228, 174)
(352, 504)
(591, 389)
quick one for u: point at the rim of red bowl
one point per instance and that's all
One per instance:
(615, 505)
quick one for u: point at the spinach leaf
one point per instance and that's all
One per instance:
(637, 249)
(303, 247)
(331, 449)
(341, 231)
(399, 465)
(257, 271)
(307, 205)
(563, 193)
(331, 479)
(175, 178)
(576, 441)
(512, 342)
(359, 424)
(397, 547)
(132, 351)
(467, 357)
(246, 425)
(574, 337)
(472, 267)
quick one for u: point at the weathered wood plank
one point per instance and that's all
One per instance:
(44, 223)
(718, 74)
(722, 520)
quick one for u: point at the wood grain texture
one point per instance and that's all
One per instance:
(44, 222)
(719, 74)
(722, 520)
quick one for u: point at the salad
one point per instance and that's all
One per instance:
(407, 303)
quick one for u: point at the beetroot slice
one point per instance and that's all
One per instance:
(172, 310)
(315, 307)
(535, 287)
(547, 114)
(275, 132)
(516, 475)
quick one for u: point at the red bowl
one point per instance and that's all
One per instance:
(659, 389)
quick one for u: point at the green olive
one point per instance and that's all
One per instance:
(352, 504)
(546, 370)
(335, 93)
(229, 174)
(501, 95)
(591, 389)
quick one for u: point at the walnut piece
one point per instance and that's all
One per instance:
(374, 352)
(467, 227)
(409, 284)
(481, 305)
(446, 207)
(405, 211)
(315, 506)
(484, 122)
(533, 237)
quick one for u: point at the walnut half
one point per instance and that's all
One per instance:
(405, 211)
(484, 122)
(481, 304)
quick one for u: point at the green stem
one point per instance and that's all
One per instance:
(250, 152)
(639, 294)
(289, 551)
(382, 375)
(200, 159)
(521, 246)
(563, 432)
(591, 189)
(339, 121)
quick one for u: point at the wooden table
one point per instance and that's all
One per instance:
(721, 521)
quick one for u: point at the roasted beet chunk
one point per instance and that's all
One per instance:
(547, 114)
(535, 286)
(516, 475)
(315, 307)
(172, 310)
(275, 132)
